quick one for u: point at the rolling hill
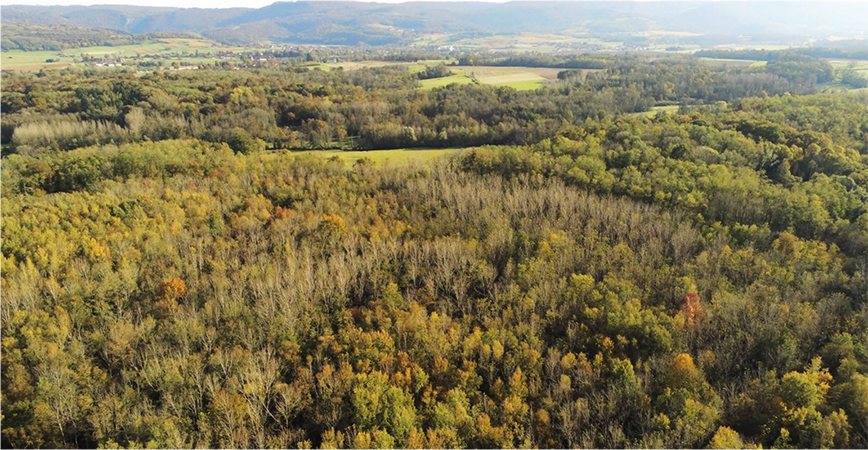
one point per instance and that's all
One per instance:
(353, 23)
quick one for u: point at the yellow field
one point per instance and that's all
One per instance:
(397, 157)
(521, 78)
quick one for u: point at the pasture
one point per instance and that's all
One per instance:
(520, 78)
(24, 61)
(519, 42)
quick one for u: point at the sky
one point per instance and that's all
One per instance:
(180, 3)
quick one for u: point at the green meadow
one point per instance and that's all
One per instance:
(520, 78)
(23, 61)
(668, 109)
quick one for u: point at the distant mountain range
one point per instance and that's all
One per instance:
(322, 22)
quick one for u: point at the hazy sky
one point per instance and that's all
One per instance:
(180, 3)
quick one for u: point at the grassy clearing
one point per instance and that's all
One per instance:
(547, 73)
(397, 157)
(520, 78)
(526, 80)
(669, 109)
(20, 60)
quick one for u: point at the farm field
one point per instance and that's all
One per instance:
(520, 78)
(23, 61)
(519, 42)
(397, 157)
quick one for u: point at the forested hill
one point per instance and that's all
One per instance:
(378, 23)
(35, 37)
(647, 252)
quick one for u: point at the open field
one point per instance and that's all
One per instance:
(518, 42)
(20, 60)
(398, 157)
(860, 66)
(669, 109)
(160, 46)
(24, 61)
(356, 65)
(546, 73)
(517, 80)
(521, 78)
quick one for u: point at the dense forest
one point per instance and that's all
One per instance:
(586, 273)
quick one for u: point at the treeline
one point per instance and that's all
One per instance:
(35, 37)
(293, 107)
(676, 79)
(851, 77)
(536, 60)
(725, 167)
(774, 55)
